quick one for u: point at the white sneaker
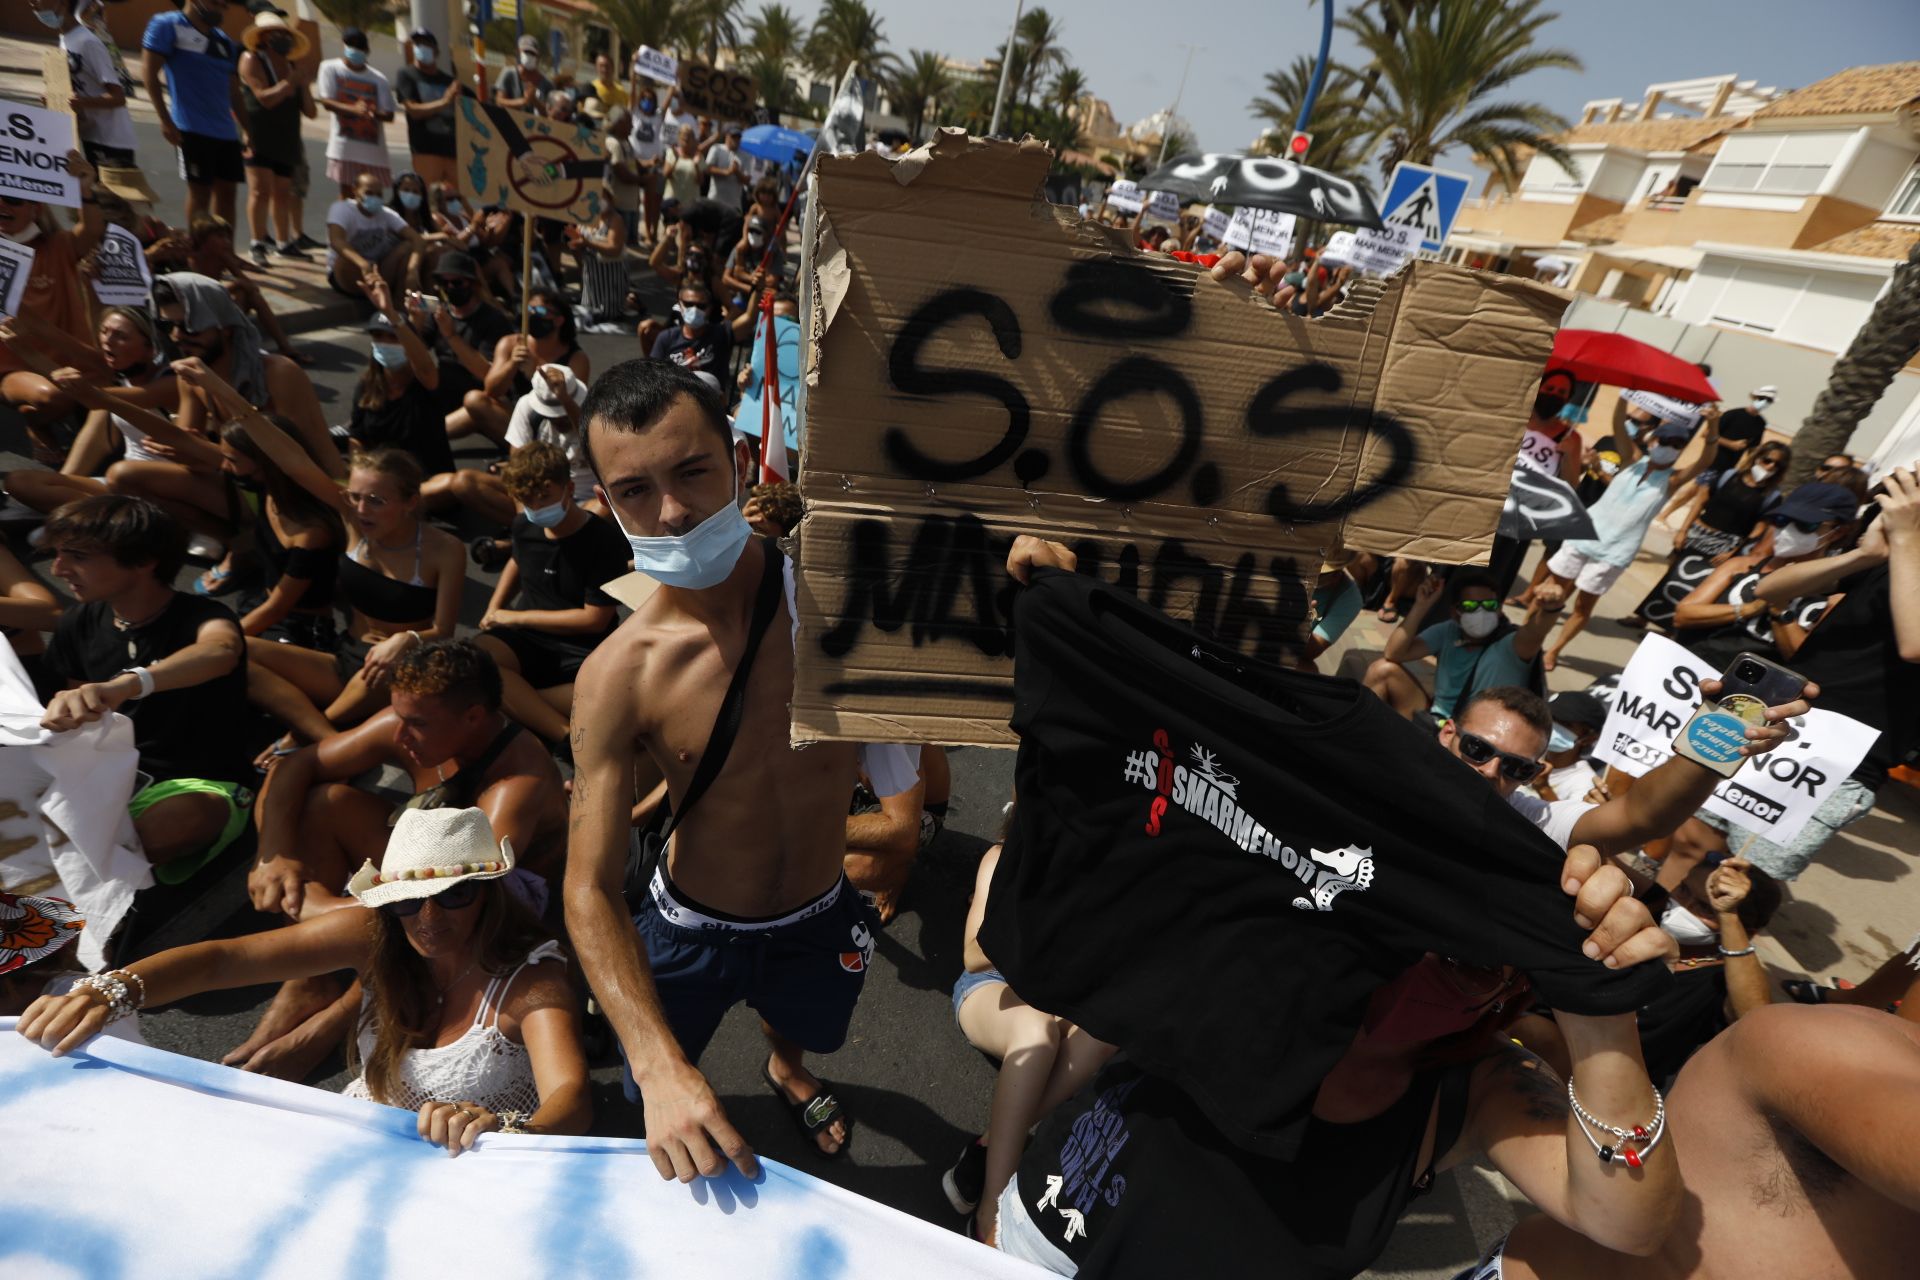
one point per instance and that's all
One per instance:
(205, 548)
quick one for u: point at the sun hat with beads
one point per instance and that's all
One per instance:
(33, 928)
(431, 850)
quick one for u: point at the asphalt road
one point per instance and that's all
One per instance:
(917, 1091)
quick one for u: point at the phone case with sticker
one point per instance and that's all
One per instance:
(1717, 730)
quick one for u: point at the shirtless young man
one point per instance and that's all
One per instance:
(783, 930)
(1796, 1132)
(316, 828)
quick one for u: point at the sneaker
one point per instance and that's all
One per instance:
(260, 248)
(307, 242)
(965, 1182)
(292, 249)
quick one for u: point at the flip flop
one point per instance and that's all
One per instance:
(814, 1116)
(219, 587)
(1389, 616)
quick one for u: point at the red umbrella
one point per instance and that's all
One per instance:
(1594, 355)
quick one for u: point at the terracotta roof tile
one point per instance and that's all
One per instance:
(1875, 240)
(1650, 135)
(1857, 90)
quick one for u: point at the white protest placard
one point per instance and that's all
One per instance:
(33, 155)
(1260, 231)
(1383, 252)
(1163, 204)
(1214, 223)
(1540, 452)
(1773, 795)
(120, 274)
(1125, 196)
(16, 264)
(1338, 250)
(650, 63)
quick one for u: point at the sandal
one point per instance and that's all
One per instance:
(1389, 616)
(814, 1116)
(213, 582)
(1805, 991)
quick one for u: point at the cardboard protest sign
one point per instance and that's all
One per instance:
(34, 143)
(726, 94)
(1125, 196)
(16, 264)
(1772, 795)
(120, 274)
(56, 80)
(528, 163)
(654, 64)
(1382, 252)
(1260, 231)
(1182, 435)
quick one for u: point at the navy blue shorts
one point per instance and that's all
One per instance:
(801, 972)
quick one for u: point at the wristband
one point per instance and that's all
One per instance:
(1731, 955)
(145, 676)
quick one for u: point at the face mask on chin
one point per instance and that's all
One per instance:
(25, 235)
(696, 560)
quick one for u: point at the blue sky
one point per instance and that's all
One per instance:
(1129, 49)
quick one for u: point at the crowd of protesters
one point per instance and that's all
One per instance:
(580, 863)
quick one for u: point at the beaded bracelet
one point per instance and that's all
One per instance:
(1647, 1135)
(513, 1121)
(119, 998)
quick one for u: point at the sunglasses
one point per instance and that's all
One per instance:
(14, 202)
(371, 501)
(178, 326)
(1476, 750)
(1474, 606)
(458, 896)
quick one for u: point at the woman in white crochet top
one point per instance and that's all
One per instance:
(469, 1018)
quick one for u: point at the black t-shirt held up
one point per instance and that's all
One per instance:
(1213, 861)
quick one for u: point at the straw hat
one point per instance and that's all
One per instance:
(430, 850)
(269, 23)
(34, 928)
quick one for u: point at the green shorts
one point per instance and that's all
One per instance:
(239, 802)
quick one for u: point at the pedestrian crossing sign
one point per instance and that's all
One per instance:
(1424, 200)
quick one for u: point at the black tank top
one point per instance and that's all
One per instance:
(379, 598)
(1734, 505)
(274, 131)
(320, 568)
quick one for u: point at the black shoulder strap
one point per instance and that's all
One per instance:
(734, 705)
(466, 783)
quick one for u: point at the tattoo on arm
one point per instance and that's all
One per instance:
(1533, 1082)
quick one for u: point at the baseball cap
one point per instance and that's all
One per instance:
(378, 323)
(354, 38)
(529, 44)
(1673, 432)
(1572, 708)
(1766, 393)
(456, 263)
(420, 35)
(1816, 503)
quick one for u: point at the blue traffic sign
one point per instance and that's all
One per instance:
(1426, 200)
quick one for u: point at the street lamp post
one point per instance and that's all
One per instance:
(1006, 64)
(1166, 126)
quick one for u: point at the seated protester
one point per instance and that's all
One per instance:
(700, 342)
(297, 539)
(551, 338)
(549, 413)
(1725, 616)
(39, 942)
(1477, 648)
(28, 612)
(600, 247)
(125, 366)
(400, 580)
(1727, 514)
(54, 293)
(210, 253)
(410, 202)
(1578, 719)
(774, 510)
(464, 328)
(562, 556)
(689, 253)
(394, 405)
(177, 664)
(1044, 1060)
(1336, 603)
(365, 236)
(469, 1018)
(1894, 986)
(1714, 914)
(884, 834)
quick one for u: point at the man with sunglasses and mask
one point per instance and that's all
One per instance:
(1476, 649)
(701, 342)
(465, 328)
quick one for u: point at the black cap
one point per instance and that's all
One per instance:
(1675, 431)
(1576, 709)
(354, 38)
(454, 262)
(1816, 503)
(420, 35)
(265, 6)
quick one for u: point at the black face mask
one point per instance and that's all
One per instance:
(458, 293)
(541, 326)
(1547, 406)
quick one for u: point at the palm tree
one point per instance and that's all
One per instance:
(776, 33)
(1886, 342)
(717, 21)
(1334, 124)
(846, 31)
(660, 24)
(1437, 72)
(773, 82)
(918, 83)
(1069, 86)
(1039, 32)
(970, 105)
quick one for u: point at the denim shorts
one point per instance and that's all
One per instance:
(968, 983)
(1850, 802)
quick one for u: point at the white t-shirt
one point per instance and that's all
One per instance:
(91, 69)
(1557, 819)
(724, 191)
(356, 139)
(372, 235)
(527, 424)
(648, 144)
(123, 1029)
(670, 129)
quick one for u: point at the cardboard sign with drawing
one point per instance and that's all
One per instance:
(1184, 437)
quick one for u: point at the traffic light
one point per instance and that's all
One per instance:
(1298, 145)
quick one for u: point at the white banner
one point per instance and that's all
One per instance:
(121, 277)
(1260, 231)
(1215, 222)
(289, 1182)
(1540, 452)
(1772, 795)
(1125, 196)
(1381, 253)
(33, 155)
(653, 64)
(1164, 205)
(16, 266)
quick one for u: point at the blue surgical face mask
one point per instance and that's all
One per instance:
(373, 204)
(697, 560)
(1561, 739)
(693, 317)
(547, 517)
(52, 21)
(456, 207)
(389, 355)
(424, 54)
(355, 58)
(411, 199)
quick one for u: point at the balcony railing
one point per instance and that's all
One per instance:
(1667, 204)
